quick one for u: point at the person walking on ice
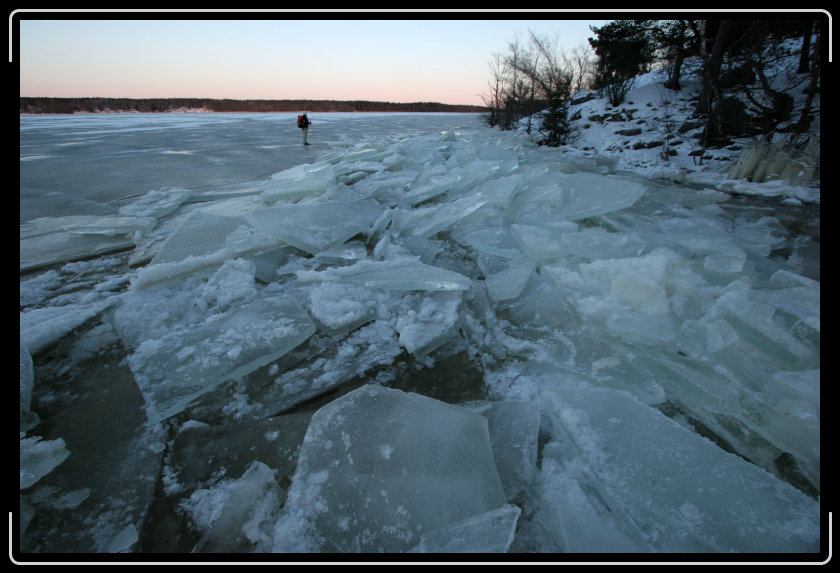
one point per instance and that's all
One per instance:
(303, 124)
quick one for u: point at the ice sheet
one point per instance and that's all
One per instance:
(38, 458)
(680, 489)
(430, 323)
(157, 203)
(205, 335)
(396, 275)
(305, 180)
(236, 525)
(489, 532)
(509, 283)
(42, 327)
(514, 434)
(316, 226)
(116, 225)
(577, 196)
(379, 468)
(39, 249)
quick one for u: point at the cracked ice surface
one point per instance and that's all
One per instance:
(648, 357)
(186, 347)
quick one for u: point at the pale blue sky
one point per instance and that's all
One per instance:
(345, 58)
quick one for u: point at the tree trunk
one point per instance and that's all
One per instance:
(805, 118)
(804, 55)
(710, 95)
(711, 70)
(673, 82)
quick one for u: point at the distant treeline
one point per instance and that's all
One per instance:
(146, 105)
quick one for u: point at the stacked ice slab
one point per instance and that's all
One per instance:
(562, 284)
(51, 240)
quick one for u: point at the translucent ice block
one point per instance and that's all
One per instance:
(44, 242)
(753, 322)
(509, 283)
(431, 323)
(514, 431)
(315, 227)
(379, 468)
(157, 203)
(679, 488)
(546, 243)
(642, 327)
(728, 260)
(192, 359)
(115, 225)
(344, 254)
(253, 499)
(201, 233)
(489, 532)
(364, 349)
(409, 276)
(426, 222)
(495, 240)
(204, 241)
(582, 195)
(306, 180)
(43, 326)
(38, 458)
(437, 185)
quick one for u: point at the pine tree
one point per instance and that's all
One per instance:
(625, 50)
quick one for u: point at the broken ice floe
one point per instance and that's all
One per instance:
(489, 532)
(110, 226)
(238, 520)
(380, 468)
(28, 418)
(400, 275)
(297, 182)
(514, 428)
(317, 226)
(39, 328)
(708, 499)
(331, 271)
(158, 203)
(404, 450)
(52, 240)
(45, 242)
(38, 458)
(182, 346)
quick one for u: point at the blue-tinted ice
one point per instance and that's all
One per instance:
(649, 354)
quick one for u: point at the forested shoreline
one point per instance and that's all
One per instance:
(757, 77)
(39, 105)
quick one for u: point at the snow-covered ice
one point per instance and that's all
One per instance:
(648, 351)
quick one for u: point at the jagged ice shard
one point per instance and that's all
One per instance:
(708, 500)
(380, 468)
(316, 226)
(186, 346)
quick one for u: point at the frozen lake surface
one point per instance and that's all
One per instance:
(415, 335)
(86, 164)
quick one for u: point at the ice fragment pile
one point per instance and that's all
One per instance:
(649, 362)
